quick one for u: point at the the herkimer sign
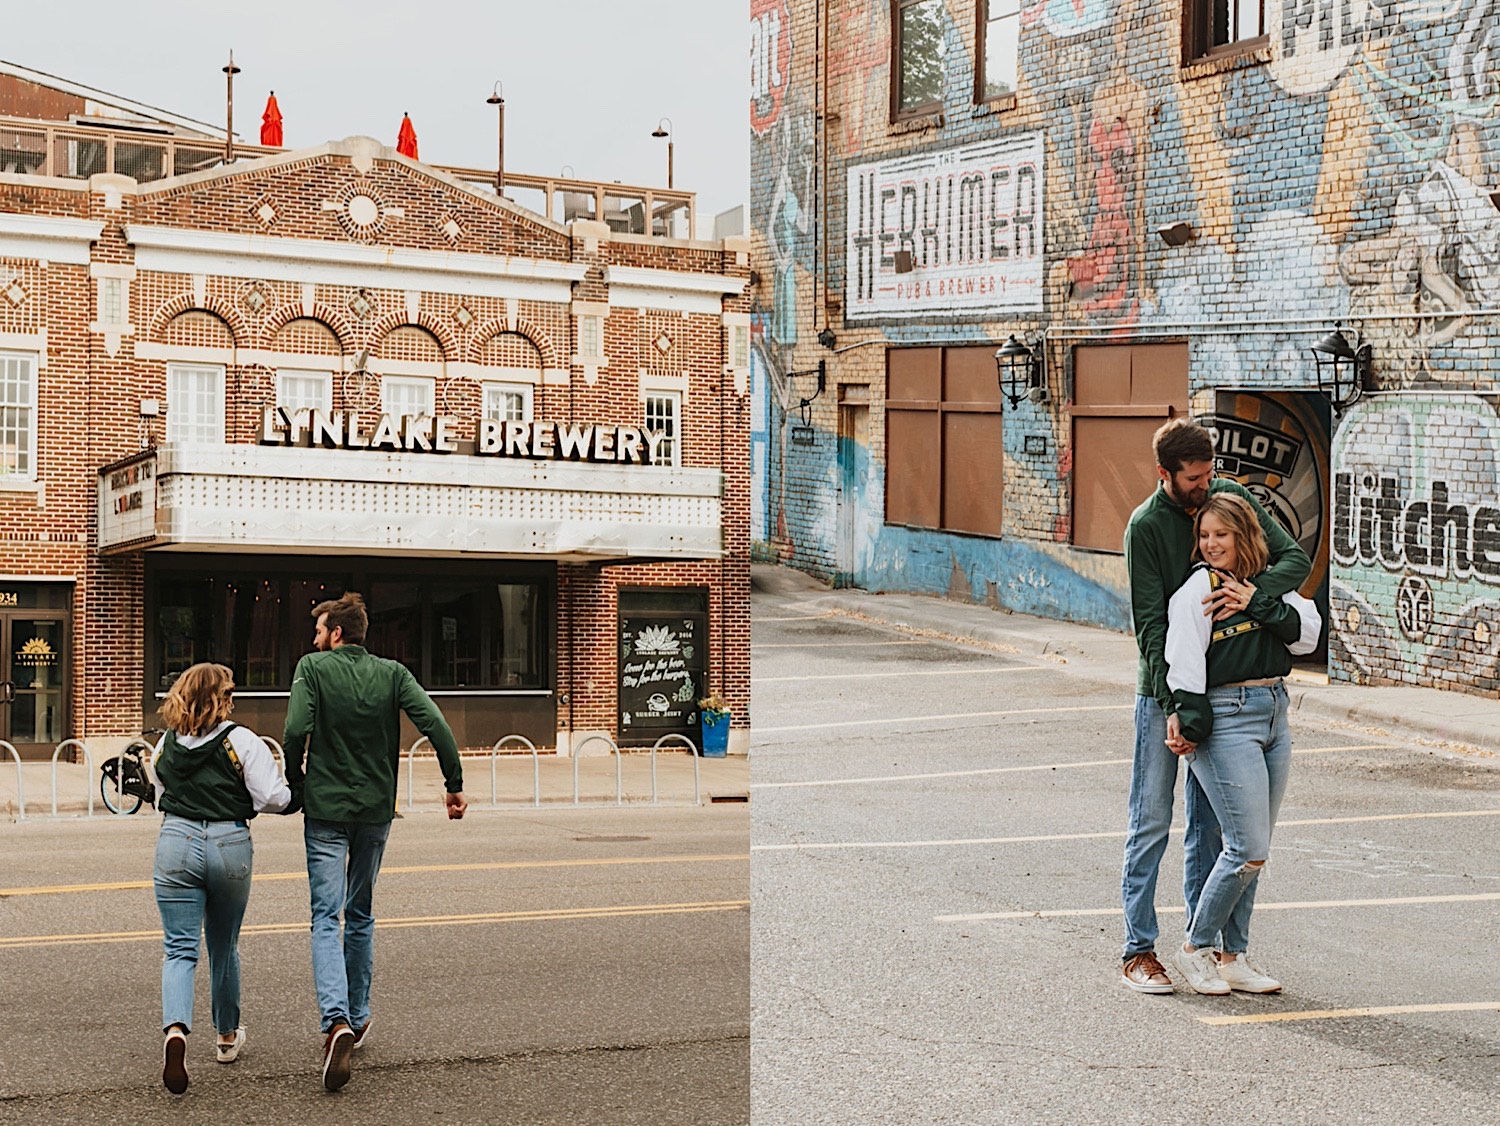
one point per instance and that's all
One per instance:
(948, 233)
(565, 441)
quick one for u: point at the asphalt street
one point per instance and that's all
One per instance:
(575, 965)
(936, 845)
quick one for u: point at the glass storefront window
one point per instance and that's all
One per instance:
(518, 642)
(396, 623)
(452, 632)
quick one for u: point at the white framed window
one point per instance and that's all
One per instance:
(18, 394)
(1000, 40)
(590, 336)
(739, 346)
(112, 301)
(507, 402)
(195, 404)
(662, 412)
(403, 396)
(298, 390)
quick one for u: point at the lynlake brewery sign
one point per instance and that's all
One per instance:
(564, 441)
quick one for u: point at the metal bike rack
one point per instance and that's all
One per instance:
(20, 785)
(619, 779)
(88, 774)
(692, 750)
(536, 768)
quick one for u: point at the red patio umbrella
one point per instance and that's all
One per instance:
(270, 123)
(406, 140)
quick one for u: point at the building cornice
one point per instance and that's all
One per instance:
(643, 287)
(48, 237)
(187, 251)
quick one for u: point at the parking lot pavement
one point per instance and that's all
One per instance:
(937, 836)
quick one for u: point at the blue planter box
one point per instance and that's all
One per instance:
(716, 734)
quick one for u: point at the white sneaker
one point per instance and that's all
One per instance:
(1240, 974)
(228, 1053)
(1201, 970)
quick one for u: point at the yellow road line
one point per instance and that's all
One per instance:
(389, 869)
(1340, 1014)
(1119, 834)
(1260, 905)
(552, 915)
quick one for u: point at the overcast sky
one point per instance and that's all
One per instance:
(585, 81)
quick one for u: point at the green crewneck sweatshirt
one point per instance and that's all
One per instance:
(344, 719)
(1158, 556)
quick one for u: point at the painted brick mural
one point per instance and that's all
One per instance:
(1234, 193)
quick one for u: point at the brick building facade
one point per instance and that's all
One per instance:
(227, 394)
(1168, 202)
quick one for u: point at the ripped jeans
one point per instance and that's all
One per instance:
(1243, 768)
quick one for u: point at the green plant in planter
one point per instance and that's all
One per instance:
(714, 708)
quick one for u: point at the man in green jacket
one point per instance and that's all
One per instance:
(1158, 556)
(344, 718)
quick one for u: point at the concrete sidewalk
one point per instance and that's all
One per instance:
(513, 784)
(1461, 723)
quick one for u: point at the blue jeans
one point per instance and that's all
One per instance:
(1153, 785)
(1243, 767)
(202, 881)
(343, 859)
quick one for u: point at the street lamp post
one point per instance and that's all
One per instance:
(664, 129)
(497, 99)
(229, 72)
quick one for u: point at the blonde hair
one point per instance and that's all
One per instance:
(199, 700)
(1252, 553)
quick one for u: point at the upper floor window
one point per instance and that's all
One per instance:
(999, 49)
(18, 416)
(404, 396)
(507, 402)
(916, 57)
(663, 424)
(304, 390)
(1213, 27)
(195, 404)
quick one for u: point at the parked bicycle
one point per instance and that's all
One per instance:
(124, 782)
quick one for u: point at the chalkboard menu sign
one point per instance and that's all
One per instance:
(662, 664)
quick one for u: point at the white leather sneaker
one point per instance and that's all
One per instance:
(1200, 968)
(228, 1053)
(1240, 974)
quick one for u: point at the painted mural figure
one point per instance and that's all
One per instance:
(1159, 543)
(1231, 703)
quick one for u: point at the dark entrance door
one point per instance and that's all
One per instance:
(34, 680)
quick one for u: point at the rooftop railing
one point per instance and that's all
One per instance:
(76, 152)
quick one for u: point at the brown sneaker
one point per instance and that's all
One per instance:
(1145, 974)
(336, 1051)
(362, 1034)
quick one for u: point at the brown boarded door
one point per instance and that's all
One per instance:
(973, 449)
(913, 481)
(1122, 393)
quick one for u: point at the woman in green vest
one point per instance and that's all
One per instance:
(212, 777)
(1231, 710)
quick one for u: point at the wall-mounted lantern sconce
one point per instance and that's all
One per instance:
(1019, 371)
(1176, 234)
(805, 406)
(1343, 369)
(904, 264)
(826, 338)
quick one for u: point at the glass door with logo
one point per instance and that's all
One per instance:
(33, 681)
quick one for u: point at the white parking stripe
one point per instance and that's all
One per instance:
(1260, 905)
(947, 715)
(798, 618)
(1119, 834)
(903, 675)
(1023, 769)
(839, 644)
